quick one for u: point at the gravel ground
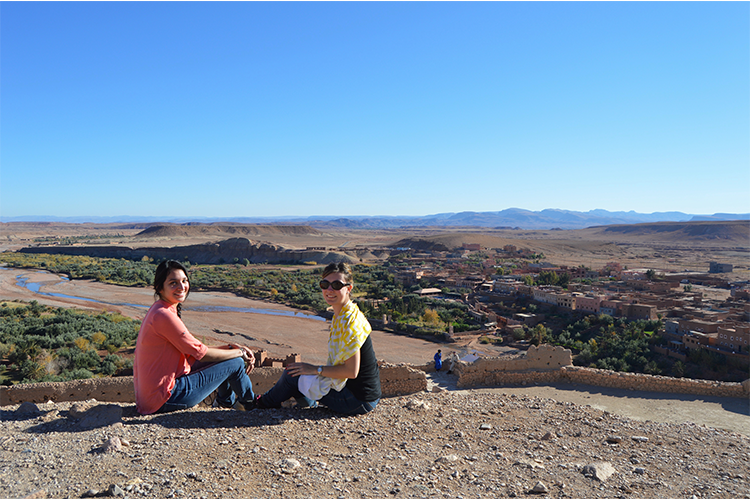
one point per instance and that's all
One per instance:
(427, 445)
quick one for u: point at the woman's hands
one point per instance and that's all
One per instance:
(349, 369)
(297, 369)
(230, 351)
(247, 355)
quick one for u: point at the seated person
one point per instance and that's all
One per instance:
(172, 369)
(350, 381)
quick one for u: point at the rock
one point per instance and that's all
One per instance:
(614, 439)
(51, 415)
(116, 491)
(640, 439)
(78, 410)
(101, 416)
(27, 408)
(437, 388)
(485, 427)
(37, 494)
(90, 493)
(112, 445)
(531, 464)
(539, 487)
(599, 470)
(417, 404)
(447, 459)
(547, 436)
(289, 464)
(639, 470)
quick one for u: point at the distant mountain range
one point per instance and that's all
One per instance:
(511, 218)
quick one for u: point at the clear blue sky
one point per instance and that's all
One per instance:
(296, 109)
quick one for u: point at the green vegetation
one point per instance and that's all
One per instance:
(433, 314)
(115, 271)
(602, 342)
(375, 289)
(69, 240)
(45, 344)
(547, 278)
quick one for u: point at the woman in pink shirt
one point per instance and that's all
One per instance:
(172, 369)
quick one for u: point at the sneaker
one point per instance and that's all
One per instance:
(210, 401)
(258, 403)
(239, 406)
(219, 404)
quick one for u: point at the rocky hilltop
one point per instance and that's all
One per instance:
(193, 230)
(226, 251)
(425, 445)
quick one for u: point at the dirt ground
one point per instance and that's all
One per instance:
(303, 334)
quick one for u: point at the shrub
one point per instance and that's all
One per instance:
(82, 343)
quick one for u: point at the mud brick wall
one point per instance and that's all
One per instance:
(487, 375)
(656, 383)
(395, 380)
(537, 365)
(401, 379)
(110, 389)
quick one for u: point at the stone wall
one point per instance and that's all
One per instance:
(655, 383)
(470, 376)
(539, 365)
(109, 389)
(547, 365)
(506, 369)
(395, 380)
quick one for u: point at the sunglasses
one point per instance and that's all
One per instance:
(336, 285)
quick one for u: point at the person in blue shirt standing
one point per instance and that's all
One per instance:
(438, 360)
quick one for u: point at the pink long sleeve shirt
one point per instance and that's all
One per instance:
(164, 351)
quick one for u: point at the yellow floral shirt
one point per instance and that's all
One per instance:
(349, 330)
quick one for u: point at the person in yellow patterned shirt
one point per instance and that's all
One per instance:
(350, 381)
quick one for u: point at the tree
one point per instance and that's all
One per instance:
(431, 317)
(539, 334)
(547, 278)
(650, 274)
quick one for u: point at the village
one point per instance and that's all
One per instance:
(692, 318)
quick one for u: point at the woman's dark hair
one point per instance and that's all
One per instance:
(339, 267)
(162, 272)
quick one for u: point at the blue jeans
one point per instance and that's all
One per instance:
(339, 401)
(228, 377)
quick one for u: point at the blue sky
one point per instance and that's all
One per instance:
(295, 109)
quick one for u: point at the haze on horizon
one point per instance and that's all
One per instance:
(248, 109)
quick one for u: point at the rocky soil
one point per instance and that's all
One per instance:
(426, 445)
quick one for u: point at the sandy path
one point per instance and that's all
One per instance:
(283, 335)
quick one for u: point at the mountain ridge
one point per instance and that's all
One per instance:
(510, 218)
